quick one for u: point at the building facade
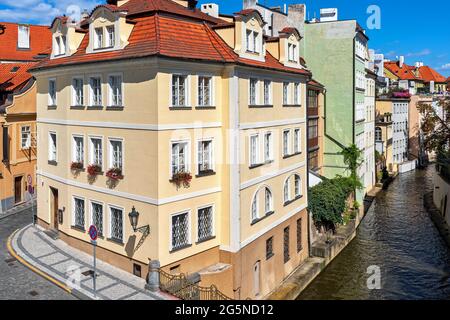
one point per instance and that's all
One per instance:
(200, 126)
(20, 46)
(369, 126)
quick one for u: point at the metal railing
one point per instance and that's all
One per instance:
(181, 287)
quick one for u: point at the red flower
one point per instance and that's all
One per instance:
(114, 174)
(182, 178)
(94, 169)
(76, 166)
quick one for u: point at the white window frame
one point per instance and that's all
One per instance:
(187, 90)
(286, 99)
(91, 150)
(52, 96)
(91, 91)
(266, 188)
(287, 183)
(253, 41)
(201, 90)
(50, 147)
(255, 200)
(270, 153)
(91, 215)
(297, 93)
(300, 189)
(112, 206)
(213, 220)
(297, 141)
(212, 159)
(74, 148)
(111, 92)
(257, 150)
(25, 43)
(189, 237)
(111, 41)
(268, 98)
(287, 143)
(25, 143)
(74, 198)
(74, 91)
(255, 95)
(111, 155)
(99, 38)
(187, 155)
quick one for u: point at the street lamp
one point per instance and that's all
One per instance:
(134, 219)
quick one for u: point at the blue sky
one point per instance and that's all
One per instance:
(417, 29)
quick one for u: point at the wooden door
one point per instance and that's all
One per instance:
(18, 189)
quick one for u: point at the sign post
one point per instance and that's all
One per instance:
(31, 192)
(93, 233)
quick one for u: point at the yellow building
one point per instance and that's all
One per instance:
(193, 119)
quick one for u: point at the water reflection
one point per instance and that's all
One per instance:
(397, 235)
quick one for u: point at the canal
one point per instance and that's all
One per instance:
(398, 236)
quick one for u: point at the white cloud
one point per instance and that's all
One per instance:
(424, 52)
(445, 67)
(39, 11)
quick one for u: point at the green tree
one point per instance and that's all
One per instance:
(353, 159)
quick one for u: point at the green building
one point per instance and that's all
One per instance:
(336, 52)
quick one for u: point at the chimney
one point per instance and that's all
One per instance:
(248, 4)
(401, 61)
(296, 16)
(211, 9)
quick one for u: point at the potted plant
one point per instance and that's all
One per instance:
(94, 169)
(181, 178)
(76, 166)
(114, 174)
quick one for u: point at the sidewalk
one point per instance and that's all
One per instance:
(60, 263)
(18, 209)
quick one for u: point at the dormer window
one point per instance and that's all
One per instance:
(98, 44)
(292, 52)
(111, 36)
(252, 41)
(60, 46)
(23, 40)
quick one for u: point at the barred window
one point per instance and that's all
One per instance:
(117, 224)
(204, 91)
(26, 137)
(269, 248)
(77, 91)
(205, 156)
(79, 213)
(179, 91)
(286, 245)
(115, 90)
(205, 223)
(180, 230)
(97, 216)
(299, 235)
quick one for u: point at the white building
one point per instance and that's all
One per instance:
(400, 131)
(369, 124)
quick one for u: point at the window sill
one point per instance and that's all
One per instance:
(269, 161)
(268, 214)
(292, 105)
(269, 256)
(291, 155)
(205, 107)
(180, 248)
(205, 240)
(95, 108)
(180, 108)
(291, 201)
(115, 108)
(77, 107)
(206, 174)
(78, 228)
(116, 241)
(260, 105)
(253, 166)
(52, 162)
(53, 107)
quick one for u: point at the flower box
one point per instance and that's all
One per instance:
(114, 174)
(182, 178)
(94, 169)
(76, 166)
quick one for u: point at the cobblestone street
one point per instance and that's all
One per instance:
(16, 280)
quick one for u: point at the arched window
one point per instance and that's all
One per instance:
(298, 186)
(255, 207)
(286, 191)
(268, 202)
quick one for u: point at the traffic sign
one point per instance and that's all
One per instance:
(93, 233)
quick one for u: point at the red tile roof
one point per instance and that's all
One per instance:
(429, 74)
(14, 76)
(40, 41)
(403, 73)
(163, 34)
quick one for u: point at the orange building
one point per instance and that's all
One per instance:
(20, 47)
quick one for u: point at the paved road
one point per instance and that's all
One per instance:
(17, 282)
